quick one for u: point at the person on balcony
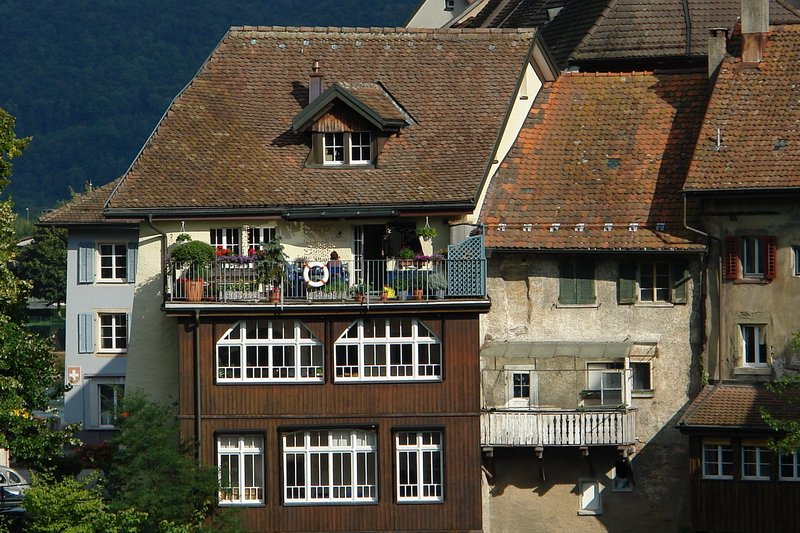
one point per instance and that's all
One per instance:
(334, 266)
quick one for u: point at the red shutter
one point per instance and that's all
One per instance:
(730, 261)
(770, 247)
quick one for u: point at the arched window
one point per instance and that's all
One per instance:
(264, 351)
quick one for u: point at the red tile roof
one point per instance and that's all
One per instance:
(84, 208)
(226, 141)
(598, 149)
(757, 111)
(735, 405)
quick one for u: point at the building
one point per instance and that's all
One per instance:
(325, 411)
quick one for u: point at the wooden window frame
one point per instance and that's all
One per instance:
(760, 339)
(577, 282)
(242, 451)
(719, 465)
(425, 456)
(119, 343)
(734, 260)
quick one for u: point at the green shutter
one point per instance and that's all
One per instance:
(626, 287)
(584, 282)
(567, 292)
(679, 275)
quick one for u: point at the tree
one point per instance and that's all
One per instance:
(29, 376)
(787, 421)
(44, 264)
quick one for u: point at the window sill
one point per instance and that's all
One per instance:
(242, 504)
(752, 371)
(341, 166)
(642, 394)
(578, 306)
(718, 478)
(419, 502)
(110, 354)
(751, 281)
(668, 305)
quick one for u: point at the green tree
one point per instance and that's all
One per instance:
(787, 388)
(153, 473)
(44, 264)
(29, 376)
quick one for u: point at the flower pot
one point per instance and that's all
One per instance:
(360, 298)
(384, 296)
(193, 289)
(275, 295)
(418, 294)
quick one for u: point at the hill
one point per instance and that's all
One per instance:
(89, 80)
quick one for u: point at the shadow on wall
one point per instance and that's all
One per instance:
(522, 500)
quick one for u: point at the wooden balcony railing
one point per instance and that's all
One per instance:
(558, 428)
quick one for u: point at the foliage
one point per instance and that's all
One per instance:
(272, 262)
(437, 281)
(426, 232)
(44, 264)
(71, 506)
(194, 252)
(405, 253)
(359, 289)
(400, 283)
(788, 389)
(153, 473)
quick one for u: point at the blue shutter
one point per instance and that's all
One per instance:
(85, 333)
(131, 268)
(85, 262)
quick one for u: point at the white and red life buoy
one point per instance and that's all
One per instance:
(315, 282)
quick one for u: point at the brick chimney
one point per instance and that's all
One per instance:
(314, 82)
(755, 26)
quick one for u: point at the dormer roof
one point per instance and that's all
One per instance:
(368, 100)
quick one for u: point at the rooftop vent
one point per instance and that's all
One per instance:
(780, 144)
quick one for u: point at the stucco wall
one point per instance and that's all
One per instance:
(524, 291)
(431, 14)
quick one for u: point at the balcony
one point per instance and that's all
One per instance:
(557, 405)
(356, 282)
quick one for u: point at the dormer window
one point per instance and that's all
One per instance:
(347, 148)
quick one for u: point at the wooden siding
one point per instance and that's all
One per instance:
(452, 405)
(737, 505)
(341, 119)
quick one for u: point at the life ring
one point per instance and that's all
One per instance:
(319, 282)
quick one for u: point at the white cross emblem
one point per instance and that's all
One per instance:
(74, 374)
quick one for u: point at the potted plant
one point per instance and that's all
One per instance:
(406, 256)
(426, 232)
(336, 289)
(193, 258)
(359, 291)
(400, 285)
(419, 283)
(272, 266)
(437, 283)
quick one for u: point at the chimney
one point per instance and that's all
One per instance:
(717, 45)
(314, 82)
(755, 25)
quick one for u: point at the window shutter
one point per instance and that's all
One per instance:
(86, 262)
(85, 333)
(584, 273)
(627, 283)
(731, 257)
(567, 293)
(770, 248)
(679, 275)
(131, 267)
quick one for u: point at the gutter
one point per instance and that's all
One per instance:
(710, 237)
(197, 404)
(163, 250)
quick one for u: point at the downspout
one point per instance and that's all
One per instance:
(163, 251)
(197, 385)
(719, 284)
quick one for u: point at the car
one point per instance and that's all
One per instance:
(13, 485)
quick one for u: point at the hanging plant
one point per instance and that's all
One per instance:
(426, 232)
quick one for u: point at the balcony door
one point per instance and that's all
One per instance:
(370, 265)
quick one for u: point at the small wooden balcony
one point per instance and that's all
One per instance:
(559, 428)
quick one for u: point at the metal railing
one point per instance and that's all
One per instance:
(243, 279)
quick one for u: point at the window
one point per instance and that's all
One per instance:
(796, 257)
(113, 262)
(754, 345)
(109, 402)
(449, 5)
(336, 466)
(419, 466)
(360, 147)
(641, 375)
(717, 461)
(755, 462)
(576, 282)
(789, 468)
(347, 148)
(623, 476)
(653, 282)
(750, 257)
(240, 459)
(268, 351)
(226, 239)
(604, 384)
(591, 497)
(522, 386)
(113, 332)
(256, 237)
(391, 349)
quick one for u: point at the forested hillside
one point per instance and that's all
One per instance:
(89, 80)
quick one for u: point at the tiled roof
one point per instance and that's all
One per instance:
(599, 149)
(658, 28)
(373, 95)
(226, 141)
(735, 405)
(84, 208)
(512, 14)
(757, 111)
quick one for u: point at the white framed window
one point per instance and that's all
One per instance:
(752, 256)
(240, 459)
(388, 349)
(605, 384)
(717, 460)
(333, 148)
(754, 345)
(449, 5)
(113, 261)
(113, 332)
(334, 466)
(226, 239)
(258, 236)
(360, 147)
(789, 467)
(522, 386)
(591, 502)
(264, 351)
(105, 396)
(654, 282)
(419, 476)
(755, 462)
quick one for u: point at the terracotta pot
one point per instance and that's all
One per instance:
(275, 295)
(418, 294)
(193, 289)
(359, 298)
